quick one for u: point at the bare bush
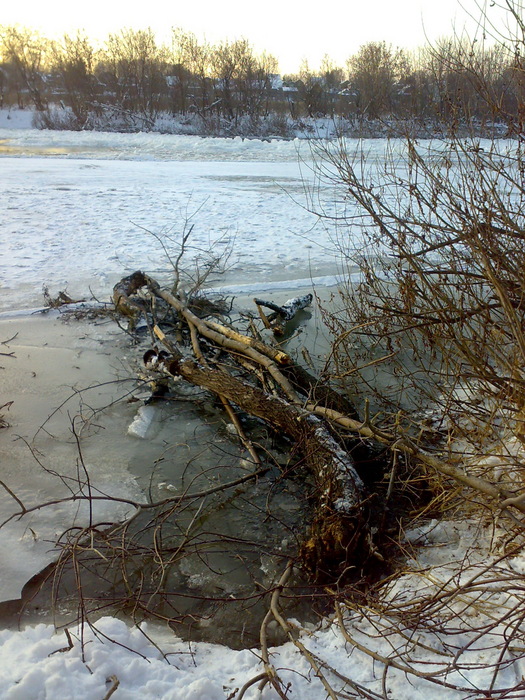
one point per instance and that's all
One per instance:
(432, 336)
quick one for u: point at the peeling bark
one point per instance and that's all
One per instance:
(339, 524)
(123, 292)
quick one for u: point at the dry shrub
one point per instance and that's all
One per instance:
(430, 334)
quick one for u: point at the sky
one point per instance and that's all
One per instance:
(288, 29)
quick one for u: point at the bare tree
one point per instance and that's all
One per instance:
(138, 64)
(333, 77)
(193, 60)
(374, 71)
(27, 52)
(74, 60)
(311, 91)
(432, 338)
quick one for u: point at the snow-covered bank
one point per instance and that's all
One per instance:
(151, 663)
(15, 141)
(13, 118)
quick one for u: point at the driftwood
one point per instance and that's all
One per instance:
(123, 293)
(339, 524)
(281, 314)
(295, 403)
(288, 310)
(287, 400)
(208, 331)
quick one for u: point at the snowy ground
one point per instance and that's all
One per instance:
(37, 663)
(75, 212)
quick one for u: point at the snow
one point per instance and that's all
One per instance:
(76, 211)
(148, 146)
(16, 118)
(37, 662)
(142, 422)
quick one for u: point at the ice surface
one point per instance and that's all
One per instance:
(38, 457)
(82, 224)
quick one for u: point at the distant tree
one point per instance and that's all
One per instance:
(226, 61)
(3, 87)
(242, 80)
(475, 80)
(508, 88)
(179, 74)
(312, 92)
(332, 78)
(139, 66)
(255, 82)
(374, 72)
(416, 90)
(27, 52)
(73, 59)
(193, 59)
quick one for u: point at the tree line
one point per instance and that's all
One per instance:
(132, 80)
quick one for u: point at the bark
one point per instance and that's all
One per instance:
(288, 310)
(318, 392)
(281, 314)
(339, 525)
(123, 291)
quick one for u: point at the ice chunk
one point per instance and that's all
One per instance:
(142, 422)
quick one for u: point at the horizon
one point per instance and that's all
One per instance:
(289, 36)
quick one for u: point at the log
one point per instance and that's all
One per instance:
(339, 527)
(318, 392)
(281, 314)
(288, 310)
(339, 533)
(223, 341)
(123, 291)
(278, 356)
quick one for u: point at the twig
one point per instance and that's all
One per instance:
(260, 677)
(274, 607)
(225, 342)
(13, 495)
(240, 432)
(264, 317)
(115, 681)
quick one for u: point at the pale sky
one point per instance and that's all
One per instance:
(289, 29)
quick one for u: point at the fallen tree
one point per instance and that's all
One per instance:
(264, 382)
(324, 428)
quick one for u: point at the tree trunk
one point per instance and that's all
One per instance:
(339, 524)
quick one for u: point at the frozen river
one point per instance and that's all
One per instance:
(80, 210)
